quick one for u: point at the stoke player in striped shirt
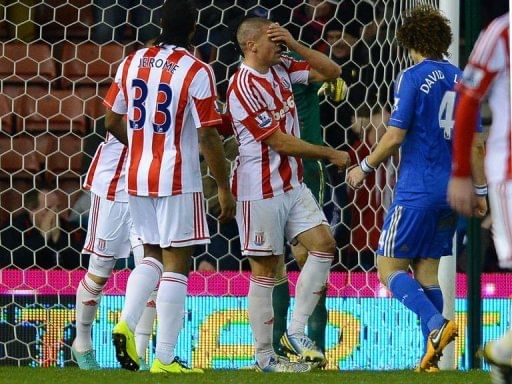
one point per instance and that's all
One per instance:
(272, 201)
(488, 74)
(110, 236)
(168, 96)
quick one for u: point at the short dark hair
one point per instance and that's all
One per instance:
(178, 21)
(248, 28)
(427, 31)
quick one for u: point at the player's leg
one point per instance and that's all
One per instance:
(398, 246)
(280, 304)
(426, 272)
(498, 353)
(261, 227)
(179, 231)
(317, 322)
(141, 282)
(308, 226)
(107, 240)
(144, 328)
(310, 287)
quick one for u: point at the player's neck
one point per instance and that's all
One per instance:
(263, 69)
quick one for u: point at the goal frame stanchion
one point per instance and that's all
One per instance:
(448, 265)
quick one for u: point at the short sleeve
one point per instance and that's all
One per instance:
(115, 97)
(203, 97)
(248, 110)
(405, 101)
(298, 69)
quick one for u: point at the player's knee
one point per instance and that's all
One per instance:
(328, 245)
(100, 268)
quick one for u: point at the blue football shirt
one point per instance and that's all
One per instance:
(424, 106)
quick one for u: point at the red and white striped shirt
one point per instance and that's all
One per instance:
(106, 174)
(167, 94)
(259, 104)
(488, 71)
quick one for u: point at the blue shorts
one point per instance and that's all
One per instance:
(411, 232)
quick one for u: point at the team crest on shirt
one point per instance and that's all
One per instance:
(264, 120)
(259, 238)
(102, 245)
(285, 83)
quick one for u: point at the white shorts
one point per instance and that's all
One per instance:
(263, 224)
(500, 199)
(108, 231)
(170, 221)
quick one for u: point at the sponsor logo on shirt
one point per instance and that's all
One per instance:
(287, 105)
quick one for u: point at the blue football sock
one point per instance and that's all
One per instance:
(435, 296)
(411, 294)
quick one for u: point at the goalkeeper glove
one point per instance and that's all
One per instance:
(335, 90)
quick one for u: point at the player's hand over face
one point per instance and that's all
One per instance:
(355, 177)
(227, 205)
(461, 195)
(281, 35)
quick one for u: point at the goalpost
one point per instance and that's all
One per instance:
(54, 72)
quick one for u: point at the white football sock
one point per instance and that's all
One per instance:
(142, 281)
(144, 328)
(310, 286)
(88, 297)
(261, 317)
(170, 307)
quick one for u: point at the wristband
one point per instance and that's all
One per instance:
(480, 190)
(365, 167)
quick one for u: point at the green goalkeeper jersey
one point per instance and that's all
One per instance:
(308, 108)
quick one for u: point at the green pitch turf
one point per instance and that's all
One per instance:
(14, 375)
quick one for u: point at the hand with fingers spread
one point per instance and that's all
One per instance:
(281, 35)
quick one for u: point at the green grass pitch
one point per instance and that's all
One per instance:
(15, 375)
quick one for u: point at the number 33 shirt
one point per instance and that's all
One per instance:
(166, 94)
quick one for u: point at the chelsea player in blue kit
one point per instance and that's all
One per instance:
(419, 225)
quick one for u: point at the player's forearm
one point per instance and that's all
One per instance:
(466, 118)
(116, 126)
(318, 61)
(213, 153)
(388, 145)
(477, 160)
(292, 146)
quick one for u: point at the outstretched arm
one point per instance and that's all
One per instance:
(387, 146)
(292, 146)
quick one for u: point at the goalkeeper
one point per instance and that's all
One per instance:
(307, 101)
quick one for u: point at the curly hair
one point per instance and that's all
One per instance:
(427, 31)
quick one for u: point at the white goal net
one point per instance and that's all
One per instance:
(57, 60)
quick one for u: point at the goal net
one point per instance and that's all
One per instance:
(57, 61)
